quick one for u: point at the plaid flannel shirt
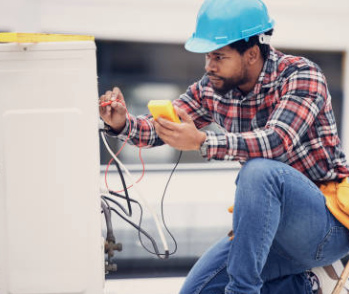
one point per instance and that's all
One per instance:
(287, 117)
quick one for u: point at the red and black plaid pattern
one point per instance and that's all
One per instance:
(287, 117)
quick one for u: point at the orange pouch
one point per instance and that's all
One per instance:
(337, 199)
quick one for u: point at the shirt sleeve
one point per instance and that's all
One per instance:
(302, 96)
(140, 130)
(193, 102)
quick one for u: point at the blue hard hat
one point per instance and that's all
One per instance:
(221, 22)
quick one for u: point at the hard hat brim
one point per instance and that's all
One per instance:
(198, 45)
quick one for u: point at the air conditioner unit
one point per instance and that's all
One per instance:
(50, 221)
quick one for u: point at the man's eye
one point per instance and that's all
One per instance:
(215, 57)
(219, 57)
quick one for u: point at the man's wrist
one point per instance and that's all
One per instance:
(205, 145)
(110, 130)
(202, 139)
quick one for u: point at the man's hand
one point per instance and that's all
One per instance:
(115, 113)
(183, 136)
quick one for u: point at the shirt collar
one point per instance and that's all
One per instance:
(266, 79)
(268, 75)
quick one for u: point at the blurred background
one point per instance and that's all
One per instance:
(140, 49)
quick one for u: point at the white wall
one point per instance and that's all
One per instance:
(305, 23)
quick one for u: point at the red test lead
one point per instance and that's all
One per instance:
(103, 104)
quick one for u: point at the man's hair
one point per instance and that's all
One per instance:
(241, 46)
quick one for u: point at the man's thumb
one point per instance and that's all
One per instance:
(183, 115)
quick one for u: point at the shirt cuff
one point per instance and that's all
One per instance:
(124, 132)
(204, 146)
(216, 146)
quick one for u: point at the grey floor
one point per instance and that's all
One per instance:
(144, 286)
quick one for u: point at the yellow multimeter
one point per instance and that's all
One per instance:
(164, 109)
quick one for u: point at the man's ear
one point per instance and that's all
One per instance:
(253, 54)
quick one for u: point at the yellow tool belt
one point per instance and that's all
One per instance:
(337, 199)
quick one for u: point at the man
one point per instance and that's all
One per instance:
(276, 117)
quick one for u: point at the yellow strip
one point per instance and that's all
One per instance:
(35, 38)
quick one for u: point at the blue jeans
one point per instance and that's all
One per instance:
(282, 228)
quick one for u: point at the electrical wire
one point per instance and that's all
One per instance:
(143, 199)
(123, 145)
(129, 212)
(162, 203)
(129, 200)
(163, 214)
(141, 231)
(106, 210)
(137, 227)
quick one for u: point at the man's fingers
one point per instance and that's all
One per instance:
(166, 135)
(166, 138)
(118, 107)
(102, 98)
(185, 117)
(165, 123)
(157, 127)
(118, 94)
(108, 111)
(112, 108)
(108, 95)
(160, 129)
(115, 97)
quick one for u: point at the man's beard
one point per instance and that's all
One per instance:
(229, 83)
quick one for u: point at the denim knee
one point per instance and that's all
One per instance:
(257, 170)
(258, 178)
